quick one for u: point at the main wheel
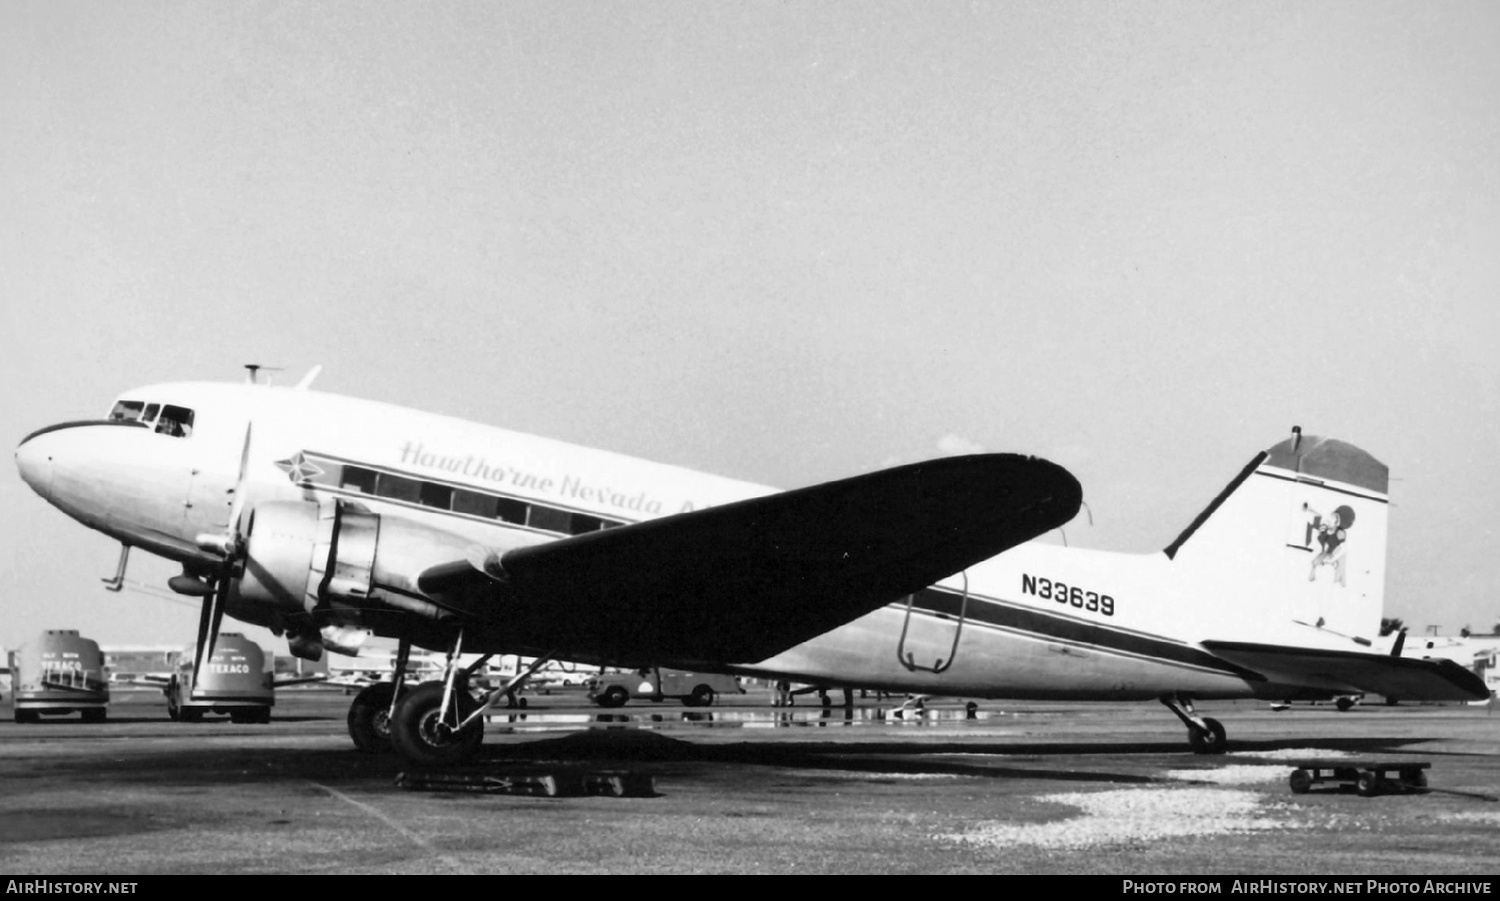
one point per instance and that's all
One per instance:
(28, 716)
(1209, 741)
(370, 718)
(423, 736)
(701, 696)
(614, 696)
(1343, 703)
(1301, 781)
(1368, 784)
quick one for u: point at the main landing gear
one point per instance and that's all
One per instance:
(1205, 734)
(370, 714)
(436, 724)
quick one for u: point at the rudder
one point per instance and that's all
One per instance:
(1294, 549)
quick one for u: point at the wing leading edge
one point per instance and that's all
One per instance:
(741, 582)
(1403, 678)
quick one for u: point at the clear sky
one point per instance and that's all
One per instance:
(784, 242)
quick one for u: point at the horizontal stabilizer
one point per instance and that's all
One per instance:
(743, 581)
(1403, 678)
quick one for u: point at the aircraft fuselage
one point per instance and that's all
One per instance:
(1039, 621)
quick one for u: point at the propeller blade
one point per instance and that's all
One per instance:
(237, 506)
(209, 620)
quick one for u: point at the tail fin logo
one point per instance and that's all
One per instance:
(1331, 531)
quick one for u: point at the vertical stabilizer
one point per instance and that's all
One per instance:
(1294, 549)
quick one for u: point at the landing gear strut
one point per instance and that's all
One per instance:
(1205, 734)
(370, 714)
(442, 723)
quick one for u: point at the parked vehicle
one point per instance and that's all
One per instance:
(693, 689)
(236, 681)
(57, 674)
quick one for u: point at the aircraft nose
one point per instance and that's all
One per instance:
(34, 460)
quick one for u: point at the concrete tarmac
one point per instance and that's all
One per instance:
(751, 788)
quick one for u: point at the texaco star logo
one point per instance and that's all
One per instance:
(299, 468)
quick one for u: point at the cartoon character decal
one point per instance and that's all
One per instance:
(1332, 533)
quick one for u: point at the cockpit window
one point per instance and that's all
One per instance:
(166, 419)
(175, 421)
(126, 411)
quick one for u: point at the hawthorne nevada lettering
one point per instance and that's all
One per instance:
(569, 486)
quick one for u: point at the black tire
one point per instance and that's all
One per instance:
(28, 717)
(701, 696)
(1210, 741)
(190, 715)
(370, 718)
(1414, 778)
(419, 735)
(1368, 784)
(1301, 782)
(1343, 704)
(614, 696)
(95, 715)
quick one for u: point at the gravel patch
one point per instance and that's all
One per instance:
(1296, 754)
(1138, 816)
(1243, 774)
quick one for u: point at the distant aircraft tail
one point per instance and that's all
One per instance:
(1293, 551)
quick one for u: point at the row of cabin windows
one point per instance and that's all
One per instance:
(165, 419)
(460, 500)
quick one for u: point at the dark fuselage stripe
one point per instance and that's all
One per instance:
(1047, 626)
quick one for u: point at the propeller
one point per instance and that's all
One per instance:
(230, 545)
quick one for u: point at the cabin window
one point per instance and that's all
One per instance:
(548, 519)
(582, 522)
(435, 495)
(398, 488)
(474, 504)
(357, 478)
(149, 416)
(127, 411)
(508, 510)
(175, 421)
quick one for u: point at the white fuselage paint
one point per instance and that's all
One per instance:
(1017, 639)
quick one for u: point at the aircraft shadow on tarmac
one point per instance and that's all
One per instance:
(651, 751)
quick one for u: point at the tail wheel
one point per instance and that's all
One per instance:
(423, 736)
(1212, 740)
(370, 718)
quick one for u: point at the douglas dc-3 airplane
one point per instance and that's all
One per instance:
(327, 519)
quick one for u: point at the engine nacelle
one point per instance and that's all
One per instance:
(334, 560)
(299, 555)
